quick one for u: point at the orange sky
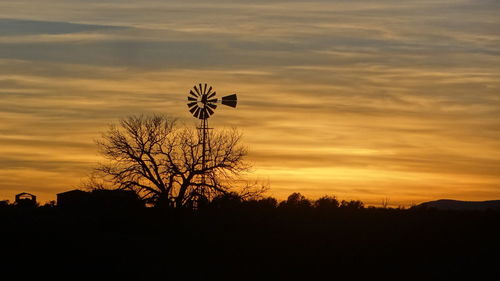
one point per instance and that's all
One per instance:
(366, 100)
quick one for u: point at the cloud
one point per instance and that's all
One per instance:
(28, 27)
(361, 99)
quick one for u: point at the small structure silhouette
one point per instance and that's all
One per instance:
(73, 199)
(100, 198)
(25, 199)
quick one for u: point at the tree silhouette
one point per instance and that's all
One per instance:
(353, 204)
(296, 200)
(162, 162)
(230, 200)
(326, 203)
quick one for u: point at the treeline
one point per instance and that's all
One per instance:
(255, 239)
(229, 200)
(295, 200)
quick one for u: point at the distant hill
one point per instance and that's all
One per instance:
(447, 204)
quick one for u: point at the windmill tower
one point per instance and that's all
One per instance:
(202, 103)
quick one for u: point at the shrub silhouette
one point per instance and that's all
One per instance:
(326, 203)
(267, 203)
(296, 200)
(231, 200)
(353, 204)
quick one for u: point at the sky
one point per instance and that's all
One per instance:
(364, 100)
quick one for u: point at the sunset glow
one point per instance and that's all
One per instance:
(359, 99)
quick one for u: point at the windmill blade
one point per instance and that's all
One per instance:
(193, 109)
(197, 91)
(196, 112)
(211, 95)
(191, 99)
(209, 90)
(230, 100)
(205, 89)
(211, 105)
(201, 93)
(191, 92)
(191, 104)
(209, 111)
(212, 100)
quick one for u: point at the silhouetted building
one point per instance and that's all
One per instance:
(25, 200)
(101, 198)
(4, 203)
(73, 199)
(118, 199)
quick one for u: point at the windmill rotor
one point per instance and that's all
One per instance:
(202, 101)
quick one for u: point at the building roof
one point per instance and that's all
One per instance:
(72, 191)
(25, 193)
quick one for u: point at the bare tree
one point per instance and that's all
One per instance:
(385, 203)
(162, 162)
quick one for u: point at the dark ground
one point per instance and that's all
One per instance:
(249, 244)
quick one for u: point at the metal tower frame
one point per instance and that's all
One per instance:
(202, 104)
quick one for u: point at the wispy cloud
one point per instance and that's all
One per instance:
(361, 99)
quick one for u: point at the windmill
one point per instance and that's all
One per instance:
(202, 103)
